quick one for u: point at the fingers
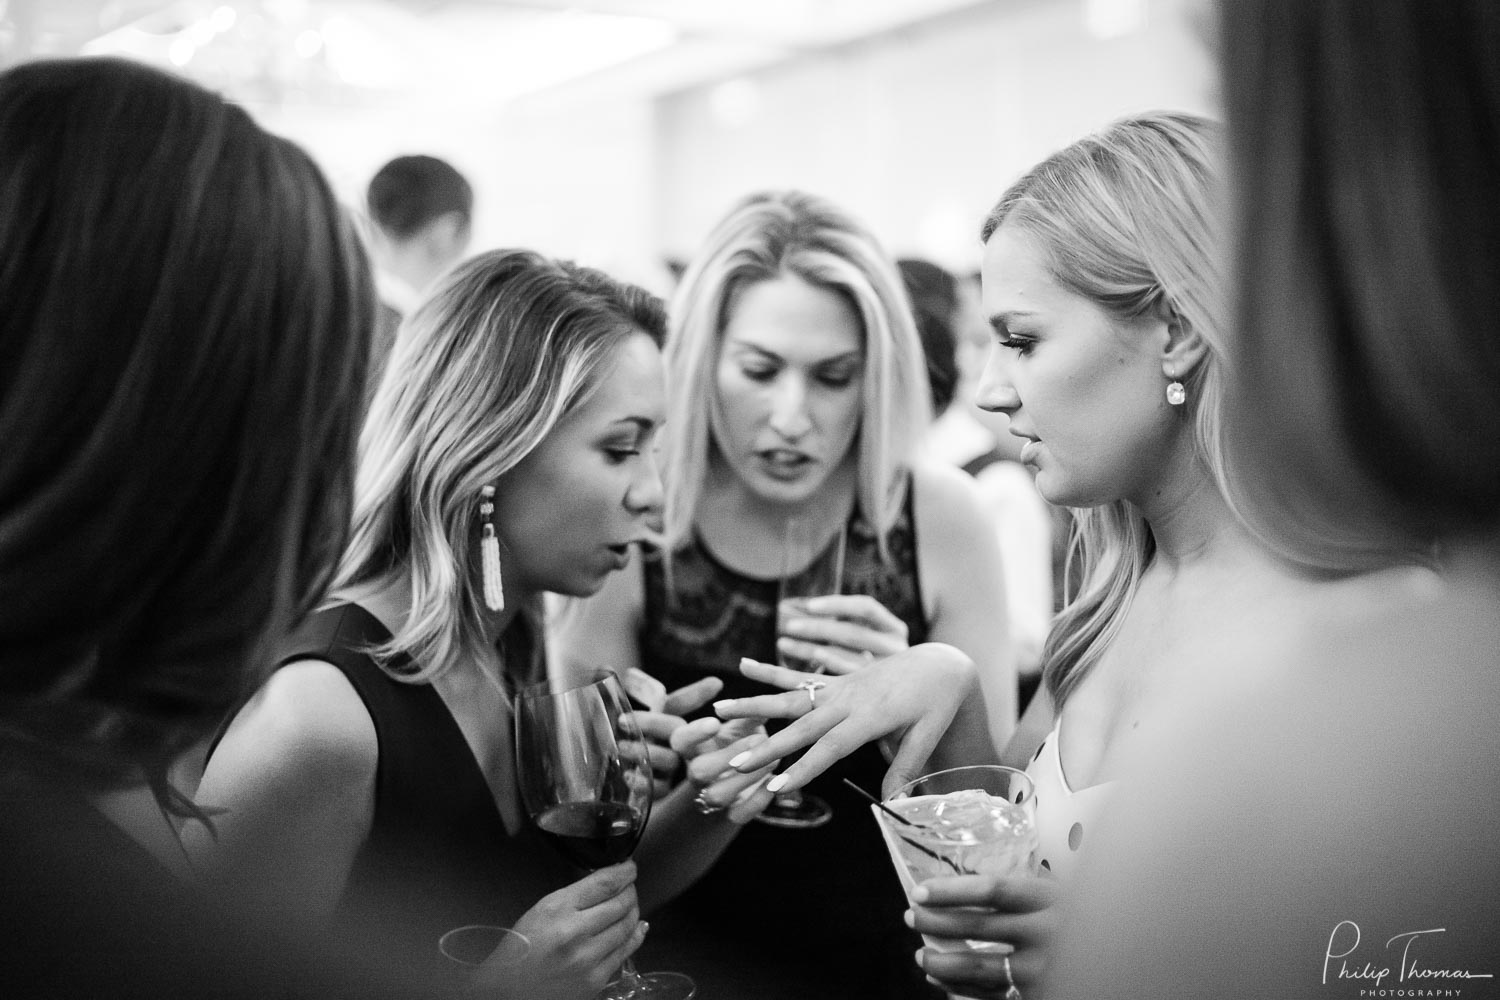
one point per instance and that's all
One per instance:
(751, 802)
(851, 636)
(1005, 894)
(859, 608)
(657, 726)
(598, 887)
(688, 699)
(833, 746)
(913, 750)
(983, 972)
(707, 768)
(688, 740)
(768, 673)
(794, 737)
(971, 924)
(825, 659)
(733, 789)
(624, 950)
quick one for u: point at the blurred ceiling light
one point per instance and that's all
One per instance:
(1113, 18)
(181, 50)
(309, 43)
(735, 102)
(523, 57)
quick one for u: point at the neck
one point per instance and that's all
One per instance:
(389, 600)
(726, 495)
(1190, 519)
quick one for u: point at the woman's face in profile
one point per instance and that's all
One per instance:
(1084, 390)
(568, 512)
(788, 383)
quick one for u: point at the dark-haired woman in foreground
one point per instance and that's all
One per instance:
(181, 356)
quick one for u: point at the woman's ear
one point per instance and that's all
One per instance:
(1183, 348)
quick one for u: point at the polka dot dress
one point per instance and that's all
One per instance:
(1064, 817)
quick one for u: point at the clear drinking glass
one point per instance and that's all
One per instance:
(962, 821)
(806, 571)
(586, 782)
(479, 944)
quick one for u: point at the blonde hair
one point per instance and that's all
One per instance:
(508, 345)
(765, 236)
(1127, 219)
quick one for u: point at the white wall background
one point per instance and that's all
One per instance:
(917, 132)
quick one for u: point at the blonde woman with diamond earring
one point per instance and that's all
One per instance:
(1100, 281)
(799, 394)
(370, 786)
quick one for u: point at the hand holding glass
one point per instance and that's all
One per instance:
(586, 781)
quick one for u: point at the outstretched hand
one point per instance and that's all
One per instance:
(913, 695)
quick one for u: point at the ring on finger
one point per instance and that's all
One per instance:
(705, 807)
(1011, 993)
(812, 685)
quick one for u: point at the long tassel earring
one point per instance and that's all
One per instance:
(489, 551)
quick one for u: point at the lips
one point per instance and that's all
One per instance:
(1029, 449)
(784, 463)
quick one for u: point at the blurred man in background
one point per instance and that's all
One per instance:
(420, 210)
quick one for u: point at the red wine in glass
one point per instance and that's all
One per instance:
(592, 834)
(585, 779)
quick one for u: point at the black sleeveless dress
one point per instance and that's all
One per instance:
(438, 855)
(784, 913)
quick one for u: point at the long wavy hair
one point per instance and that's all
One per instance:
(505, 347)
(182, 355)
(1127, 219)
(765, 236)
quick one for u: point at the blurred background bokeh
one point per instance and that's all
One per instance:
(615, 132)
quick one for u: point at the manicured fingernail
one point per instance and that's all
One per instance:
(719, 706)
(738, 758)
(918, 957)
(776, 783)
(910, 918)
(746, 661)
(919, 894)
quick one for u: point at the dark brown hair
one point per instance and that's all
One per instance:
(182, 354)
(1365, 136)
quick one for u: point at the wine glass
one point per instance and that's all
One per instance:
(805, 573)
(475, 945)
(586, 782)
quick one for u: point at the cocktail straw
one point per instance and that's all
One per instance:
(958, 868)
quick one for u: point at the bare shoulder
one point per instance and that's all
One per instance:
(307, 719)
(947, 504)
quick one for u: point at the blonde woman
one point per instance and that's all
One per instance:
(1101, 284)
(799, 393)
(370, 784)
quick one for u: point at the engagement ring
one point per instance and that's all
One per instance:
(706, 807)
(811, 686)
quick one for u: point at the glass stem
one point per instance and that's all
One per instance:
(629, 976)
